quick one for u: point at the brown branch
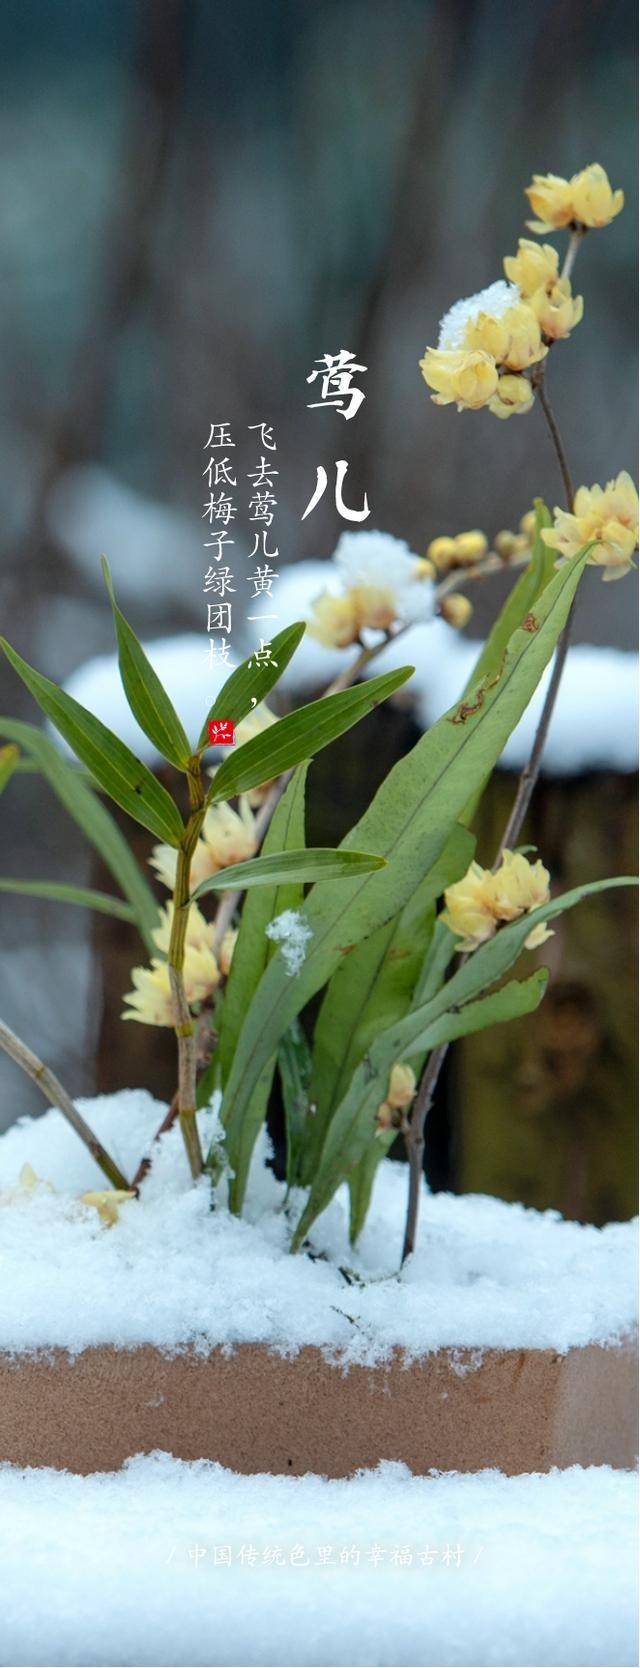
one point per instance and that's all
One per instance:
(54, 1092)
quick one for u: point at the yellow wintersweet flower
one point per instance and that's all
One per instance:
(594, 203)
(518, 886)
(468, 911)
(513, 398)
(551, 199)
(150, 1000)
(608, 515)
(227, 836)
(513, 339)
(374, 606)
(525, 345)
(470, 547)
(334, 621)
(481, 901)
(467, 380)
(442, 552)
(107, 1202)
(533, 265)
(556, 309)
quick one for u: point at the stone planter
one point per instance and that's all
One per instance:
(253, 1410)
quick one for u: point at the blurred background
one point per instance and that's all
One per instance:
(198, 198)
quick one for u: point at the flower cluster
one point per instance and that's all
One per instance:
(607, 515)
(584, 200)
(381, 586)
(479, 903)
(150, 1000)
(489, 341)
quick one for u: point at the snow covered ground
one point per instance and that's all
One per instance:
(172, 1563)
(171, 1272)
(168, 1563)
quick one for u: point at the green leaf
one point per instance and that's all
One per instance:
(294, 1065)
(92, 817)
(409, 822)
(110, 761)
(58, 892)
(252, 952)
(277, 868)
(250, 683)
(372, 987)
(350, 1133)
(300, 735)
(519, 602)
(9, 762)
(147, 698)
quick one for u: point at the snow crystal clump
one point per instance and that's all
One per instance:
(291, 932)
(496, 299)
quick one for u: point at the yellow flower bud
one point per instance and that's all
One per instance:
(505, 544)
(467, 380)
(373, 605)
(607, 515)
(442, 553)
(594, 203)
(402, 1087)
(334, 621)
(556, 309)
(528, 525)
(456, 610)
(513, 398)
(551, 199)
(534, 264)
(471, 547)
(426, 569)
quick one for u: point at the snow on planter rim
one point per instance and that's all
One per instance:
(175, 1274)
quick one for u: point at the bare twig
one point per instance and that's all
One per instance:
(53, 1091)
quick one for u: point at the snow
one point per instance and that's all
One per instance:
(380, 560)
(494, 300)
(90, 512)
(126, 1567)
(594, 726)
(173, 1273)
(291, 932)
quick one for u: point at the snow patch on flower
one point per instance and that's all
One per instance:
(495, 300)
(382, 561)
(291, 932)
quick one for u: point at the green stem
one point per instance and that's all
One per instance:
(183, 1021)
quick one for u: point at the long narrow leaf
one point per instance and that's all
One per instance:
(409, 821)
(77, 796)
(372, 987)
(311, 863)
(252, 681)
(147, 697)
(59, 892)
(300, 735)
(353, 1128)
(115, 767)
(520, 601)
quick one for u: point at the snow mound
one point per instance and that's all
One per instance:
(174, 1273)
(173, 1563)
